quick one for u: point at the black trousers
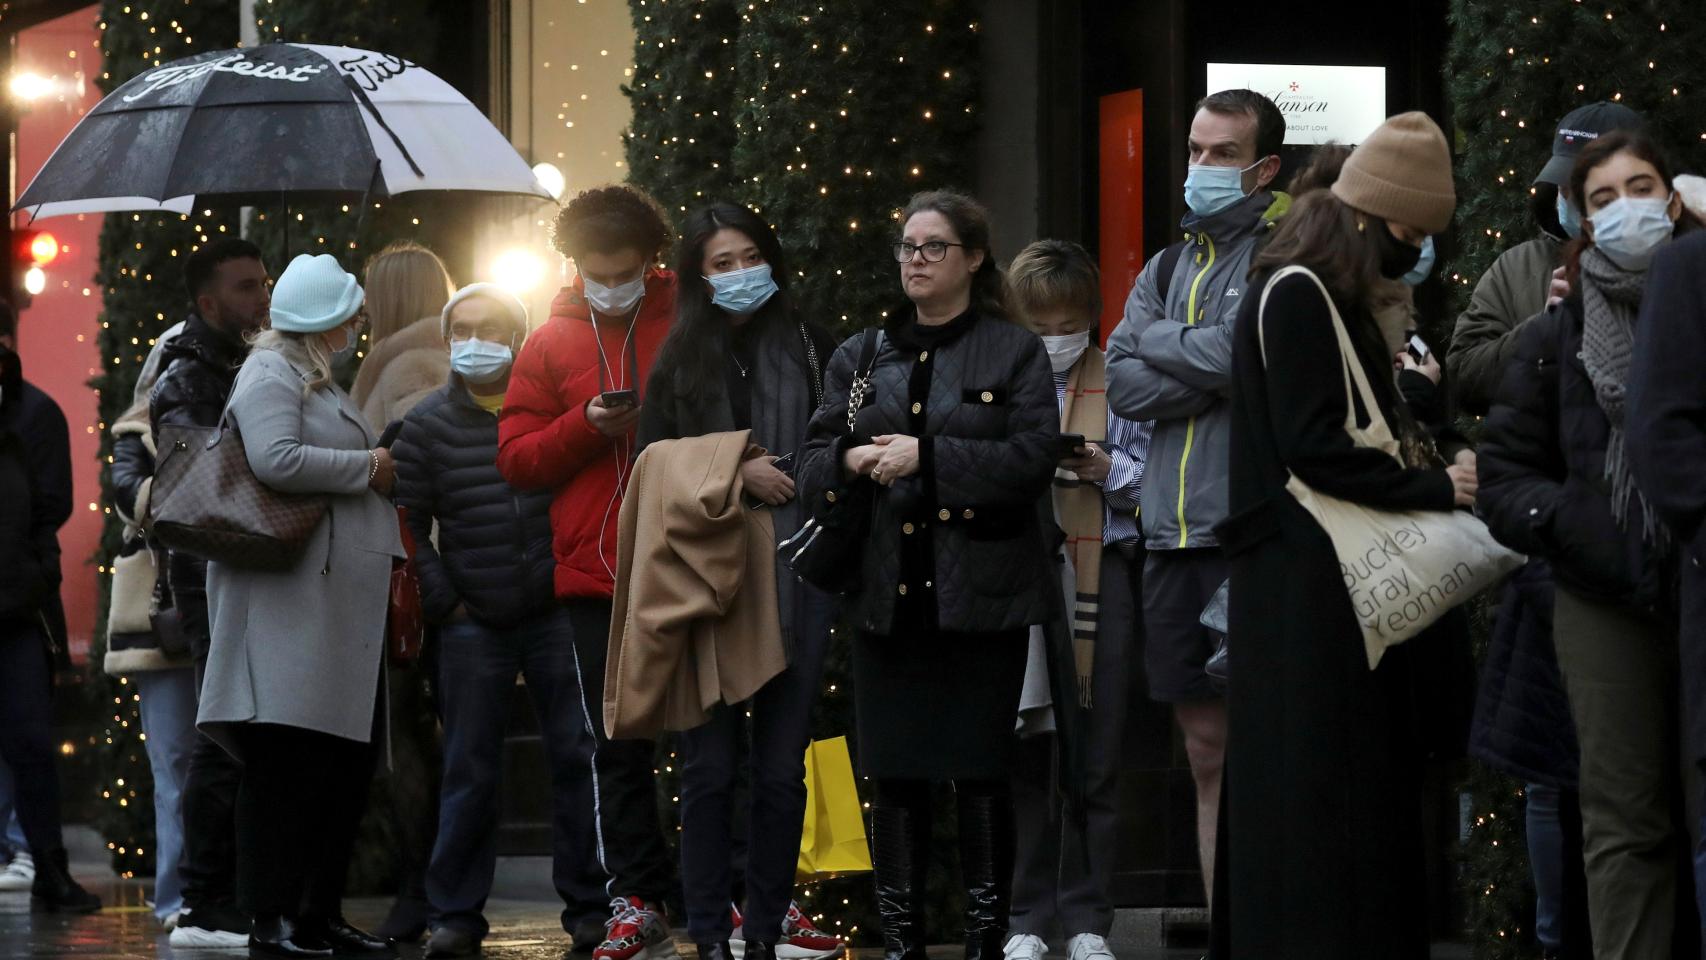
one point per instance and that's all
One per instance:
(26, 732)
(625, 807)
(209, 864)
(775, 728)
(298, 813)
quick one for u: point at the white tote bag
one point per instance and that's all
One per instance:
(1403, 569)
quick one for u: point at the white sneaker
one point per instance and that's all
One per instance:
(187, 936)
(19, 875)
(1088, 946)
(171, 921)
(1025, 946)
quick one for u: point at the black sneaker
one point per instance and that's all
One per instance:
(213, 925)
(449, 941)
(588, 934)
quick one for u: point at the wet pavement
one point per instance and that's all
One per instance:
(521, 930)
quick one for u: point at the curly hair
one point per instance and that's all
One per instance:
(608, 219)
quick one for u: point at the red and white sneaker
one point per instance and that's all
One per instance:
(801, 939)
(635, 931)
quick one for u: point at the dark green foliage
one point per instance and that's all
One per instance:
(142, 293)
(1497, 891)
(821, 117)
(841, 117)
(1515, 69)
(683, 132)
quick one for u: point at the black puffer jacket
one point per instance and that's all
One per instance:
(1542, 471)
(200, 365)
(494, 542)
(31, 561)
(958, 546)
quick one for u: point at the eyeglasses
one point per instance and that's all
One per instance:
(934, 251)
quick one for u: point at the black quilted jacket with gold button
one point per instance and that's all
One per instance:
(960, 545)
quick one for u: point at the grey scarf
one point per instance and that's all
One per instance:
(1611, 296)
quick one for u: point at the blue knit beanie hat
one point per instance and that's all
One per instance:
(314, 295)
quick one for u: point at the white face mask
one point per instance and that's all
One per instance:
(1064, 350)
(614, 301)
(1629, 230)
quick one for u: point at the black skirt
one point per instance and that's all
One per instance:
(937, 706)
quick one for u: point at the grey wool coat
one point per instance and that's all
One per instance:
(303, 647)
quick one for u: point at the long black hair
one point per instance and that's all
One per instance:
(971, 221)
(698, 339)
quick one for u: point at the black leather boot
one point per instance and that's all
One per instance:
(54, 890)
(759, 950)
(900, 842)
(344, 939)
(716, 951)
(276, 936)
(986, 861)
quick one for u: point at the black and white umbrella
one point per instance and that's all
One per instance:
(284, 119)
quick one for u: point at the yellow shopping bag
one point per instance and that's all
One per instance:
(833, 839)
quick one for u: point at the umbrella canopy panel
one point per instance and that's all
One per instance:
(279, 119)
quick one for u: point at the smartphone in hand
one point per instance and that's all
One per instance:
(1417, 348)
(1067, 445)
(619, 398)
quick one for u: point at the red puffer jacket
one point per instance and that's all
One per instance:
(545, 441)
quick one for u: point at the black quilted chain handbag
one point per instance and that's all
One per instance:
(825, 550)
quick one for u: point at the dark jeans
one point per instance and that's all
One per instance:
(780, 728)
(1064, 872)
(209, 865)
(625, 805)
(298, 813)
(26, 733)
(477, 670)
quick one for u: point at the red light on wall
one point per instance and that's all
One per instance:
(44, 248)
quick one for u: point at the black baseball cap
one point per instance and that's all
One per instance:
(1579, 128)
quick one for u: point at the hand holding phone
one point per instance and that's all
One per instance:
(1418, 348)
(1067, 445)
(619, 398)
(613, 420)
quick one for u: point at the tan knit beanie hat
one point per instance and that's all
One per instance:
(1402, 174)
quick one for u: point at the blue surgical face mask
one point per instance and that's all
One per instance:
(1424, 265)
(1210, 189)
(480, 361)
(742, 291)
(352, 339)
(614, 301)
(1630, 230)
(1568, 218)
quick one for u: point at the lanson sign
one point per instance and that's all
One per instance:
(1320, 103)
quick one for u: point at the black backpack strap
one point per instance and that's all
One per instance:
(1167, 266)
(869, 344)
